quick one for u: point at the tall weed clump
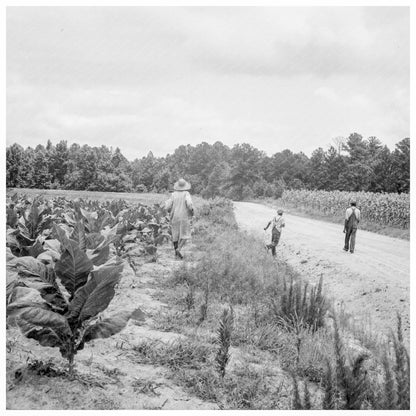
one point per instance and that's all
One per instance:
(299, 307)
(395, 391)
(348, 385)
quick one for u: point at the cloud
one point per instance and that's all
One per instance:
(327, 93)
(154, 78)
(290, 42)
(136, 46)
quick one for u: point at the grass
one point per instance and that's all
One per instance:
(177, 354)
(192, 362)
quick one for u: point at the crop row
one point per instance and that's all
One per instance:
(379, 208)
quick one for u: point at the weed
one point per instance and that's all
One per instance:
(203, 309)
(250, 388)
(395, 391)
(204, 383)
(362, 329)
(314, 352)
(307, 397)
(47, 369)
(297, 309)
(146, 387)
(296, 404)
(190, 298)
(180, 353)
(224, 340)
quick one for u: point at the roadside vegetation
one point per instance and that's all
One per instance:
(257, 314)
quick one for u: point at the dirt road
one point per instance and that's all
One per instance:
(373, 282)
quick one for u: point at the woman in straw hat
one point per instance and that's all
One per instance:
(181, 211)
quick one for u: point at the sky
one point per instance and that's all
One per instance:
(153, 78)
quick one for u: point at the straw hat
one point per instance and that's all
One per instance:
(182, 185)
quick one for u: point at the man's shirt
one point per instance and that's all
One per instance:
(350, 210)
(278, 223)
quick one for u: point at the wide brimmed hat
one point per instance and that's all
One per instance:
(182, 185)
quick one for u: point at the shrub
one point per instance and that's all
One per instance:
(141, 188)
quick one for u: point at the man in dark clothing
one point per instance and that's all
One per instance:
(352, 218)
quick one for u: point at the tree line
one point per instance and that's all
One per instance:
(239, 172)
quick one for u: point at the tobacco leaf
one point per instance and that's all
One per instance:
(96, 294)
(78, 235)
(62, 237)
(28, 266)
(107, 327)
(93, 240)
(48, 328)
(23, 297)
(100, 255)
(73, 267)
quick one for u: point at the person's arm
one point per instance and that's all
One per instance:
(169, 204)
(346, 220)
(267, 226)
(283, 223)
(188, 202)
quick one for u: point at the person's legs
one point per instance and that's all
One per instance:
(175, 247)
(347, 239)
(277, 237)
(275, 241)
(352, 243)
(181, 243)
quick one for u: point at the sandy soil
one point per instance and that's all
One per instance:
(373, 282)
(112, 377)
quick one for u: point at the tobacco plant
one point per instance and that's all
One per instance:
(58, 306)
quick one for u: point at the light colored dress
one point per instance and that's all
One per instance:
(181, 210)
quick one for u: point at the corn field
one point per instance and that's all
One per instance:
(379, 208)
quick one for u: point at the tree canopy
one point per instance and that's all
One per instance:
(239, 172)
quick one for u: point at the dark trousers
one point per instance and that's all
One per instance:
(275, 240)
(350, 239)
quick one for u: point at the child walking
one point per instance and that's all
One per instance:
(277, 224)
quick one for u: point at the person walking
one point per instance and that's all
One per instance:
(352, 218)
(181, 211)
(277, 223)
